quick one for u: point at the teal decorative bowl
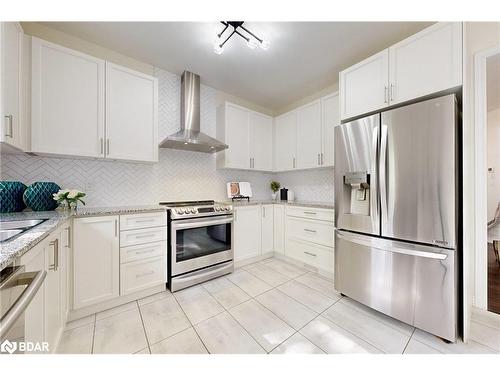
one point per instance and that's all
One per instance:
(11, 196)
(38, 196)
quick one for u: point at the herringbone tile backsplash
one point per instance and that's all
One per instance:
(179, 175)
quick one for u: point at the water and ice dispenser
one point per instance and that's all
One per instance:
(359, 185)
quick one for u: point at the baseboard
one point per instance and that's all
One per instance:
(319, 271)
(86, 311)
(243, 262)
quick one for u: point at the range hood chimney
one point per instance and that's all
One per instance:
(190, 137)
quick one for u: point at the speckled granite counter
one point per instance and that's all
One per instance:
(19, 245)
(254, 202)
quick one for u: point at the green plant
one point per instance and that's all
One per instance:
(275, 186)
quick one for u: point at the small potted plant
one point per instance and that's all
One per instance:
(70, 198)
(275, 187)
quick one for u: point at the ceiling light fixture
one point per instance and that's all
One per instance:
(238, 28)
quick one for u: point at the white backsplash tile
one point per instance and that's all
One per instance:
(179, 175)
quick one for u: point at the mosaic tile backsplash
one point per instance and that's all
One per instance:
(179, 175)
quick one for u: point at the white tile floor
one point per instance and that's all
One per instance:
(266, 307)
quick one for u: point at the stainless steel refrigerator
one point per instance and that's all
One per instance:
(396, 198)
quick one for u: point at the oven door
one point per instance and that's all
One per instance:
(198, 243)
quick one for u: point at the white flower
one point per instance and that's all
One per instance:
(73, 193)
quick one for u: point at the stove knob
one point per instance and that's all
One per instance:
(228, 208)
(180, 211)
(193, 210)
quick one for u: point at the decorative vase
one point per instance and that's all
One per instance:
(11, 196)
(275, 195)
(38, 196)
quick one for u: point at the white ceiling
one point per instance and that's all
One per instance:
(304, 57)
(493, 82)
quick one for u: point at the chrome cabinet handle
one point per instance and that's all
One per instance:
(107, 146)
(391, 93)
(102, 146)
(309, 230)
(321, 159)
(144, 251)
(386, 94)
(144, 235)
(263, 211)
(68, 243)
(311, 254)
(310, 213)
(116, 228)
(293, 163)
(55, 246)
(145, 274)
(9, 134)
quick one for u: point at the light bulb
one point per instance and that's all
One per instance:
(252, 43)
(265, 44)
(218, 49)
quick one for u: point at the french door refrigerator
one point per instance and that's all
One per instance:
(396, 212)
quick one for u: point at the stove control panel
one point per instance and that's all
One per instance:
(200, 211)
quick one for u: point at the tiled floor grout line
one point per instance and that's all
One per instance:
(408, 342)
(143, 325)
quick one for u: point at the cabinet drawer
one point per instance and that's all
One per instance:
(310, 213)
(140, 236)
(316, 231)
(144, 251)
(135, 276)
(138, 221)
(311, 254)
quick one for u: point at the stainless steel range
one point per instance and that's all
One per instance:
(200, 244)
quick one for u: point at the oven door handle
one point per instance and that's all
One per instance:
(200, 223)
(34, 280)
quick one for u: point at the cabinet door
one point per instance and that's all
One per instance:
(247, 232)
(261, 141)
(96, 259)
(285, 142)
(267, 228)
(67, 112)
(279, 229)
(64, 257)
(309, 136)
(11, 35)
(34, 317)
(330, 118)
(364, 86)
(427, 62)
(131, 114)
(237, 137)
(53, 318)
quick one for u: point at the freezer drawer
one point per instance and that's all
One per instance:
(415, 284)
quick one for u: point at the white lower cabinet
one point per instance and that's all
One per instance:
(96, 260)
(247, 232)
(309, 253)
(45, 316)
(279, 229)
(267, 225)
(142, 274)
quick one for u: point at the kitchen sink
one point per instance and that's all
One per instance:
(11, 228)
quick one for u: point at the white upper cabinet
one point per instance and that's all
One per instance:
(12, 131)
(249, 137)
(330, 118)
(84, 106)
(285, 143)
(261, 141)
(67, 101)
(363, 87)
(309, 136)
(131, 114)
(427, 62)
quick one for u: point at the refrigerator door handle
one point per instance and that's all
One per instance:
(373, 191)
(392, 246)
(383, 173)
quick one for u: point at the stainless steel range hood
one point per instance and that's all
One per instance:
(190, 137)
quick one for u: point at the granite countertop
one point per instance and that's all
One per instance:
(12, 249)
(253, 202)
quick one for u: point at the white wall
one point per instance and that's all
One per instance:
(493, 157)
